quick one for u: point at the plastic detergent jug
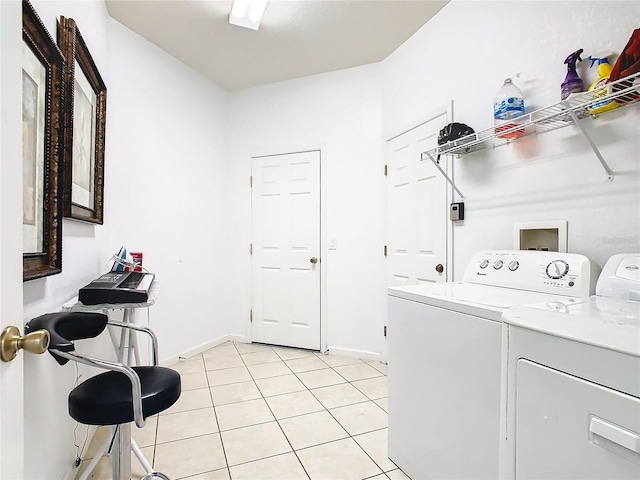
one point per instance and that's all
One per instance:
(508, 104)
(599, 89)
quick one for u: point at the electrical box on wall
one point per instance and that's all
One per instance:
(550, 236)
(457, 211)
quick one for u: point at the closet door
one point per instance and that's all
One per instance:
(285, 265)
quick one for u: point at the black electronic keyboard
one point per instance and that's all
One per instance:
(117, 287)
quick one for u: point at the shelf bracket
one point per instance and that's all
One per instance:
(575, 119)
(444, 174)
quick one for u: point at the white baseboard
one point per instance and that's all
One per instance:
(348, 352)
(238, 338)
(72, 471)
(203, 347)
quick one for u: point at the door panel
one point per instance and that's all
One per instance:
(417, 208)
(11, 287)
(285, 222)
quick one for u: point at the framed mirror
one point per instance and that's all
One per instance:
(84, 128)
(42, 114)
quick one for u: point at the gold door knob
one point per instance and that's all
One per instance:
(314, 260)
(439, 268)
(11, 341)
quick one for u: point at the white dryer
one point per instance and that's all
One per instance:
(444, 355)
(572, 383)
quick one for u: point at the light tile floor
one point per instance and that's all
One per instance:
(254, 412)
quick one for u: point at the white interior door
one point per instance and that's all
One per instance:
(11, 376)
(417, 207)
(285, 265)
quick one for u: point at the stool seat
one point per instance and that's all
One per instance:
(106, 398)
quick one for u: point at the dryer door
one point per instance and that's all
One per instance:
(567, 428)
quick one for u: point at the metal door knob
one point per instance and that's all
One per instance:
(11, 341)
(439, 268)
(314, 260)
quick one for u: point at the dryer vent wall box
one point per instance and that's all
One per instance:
(548, 236)
(457, 211)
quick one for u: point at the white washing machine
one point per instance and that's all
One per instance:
(572, 374)
(444, 351)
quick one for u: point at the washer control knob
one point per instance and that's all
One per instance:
(498, 264)
(513, 266)
(484, 263)
(557, 269)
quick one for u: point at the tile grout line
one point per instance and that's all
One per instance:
(195, 436)
(356, 442)
(332, 416)
(352, 436)
(215, 415)
(306, 388)
(276, 420)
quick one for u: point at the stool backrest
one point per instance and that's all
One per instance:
(66, 327)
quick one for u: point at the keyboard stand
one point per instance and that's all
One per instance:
(128, 343)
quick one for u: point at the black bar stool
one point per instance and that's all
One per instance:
(118, 397)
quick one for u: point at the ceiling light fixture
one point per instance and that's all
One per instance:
(247, 13)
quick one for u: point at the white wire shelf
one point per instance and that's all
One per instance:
(625, 92)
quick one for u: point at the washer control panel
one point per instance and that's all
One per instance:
(561, 273)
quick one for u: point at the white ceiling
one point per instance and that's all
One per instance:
(296, 37)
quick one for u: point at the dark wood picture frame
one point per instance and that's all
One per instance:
(83, 171)
(46, 259)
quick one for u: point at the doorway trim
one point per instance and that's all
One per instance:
(323, 236)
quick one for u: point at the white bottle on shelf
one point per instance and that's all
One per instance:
(508, 104)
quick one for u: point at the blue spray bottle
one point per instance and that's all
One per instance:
(598, 87)
(572, 82)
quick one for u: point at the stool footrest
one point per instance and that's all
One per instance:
(152, 475)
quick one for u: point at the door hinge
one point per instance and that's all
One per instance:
(385, 330)
(385, 250)
(251, 315)
(385, 170)
(251, 181)
(251, 249)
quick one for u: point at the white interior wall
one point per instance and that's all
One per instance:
(339, 112)
(165, 186)
(464, 53)
(167, 171)
(164, 196)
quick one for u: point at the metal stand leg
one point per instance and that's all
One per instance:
(104, 449)
(151, 474)
(123, 344)
(121, 460)
(114, 339)
(129, 317)
(145, 463)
